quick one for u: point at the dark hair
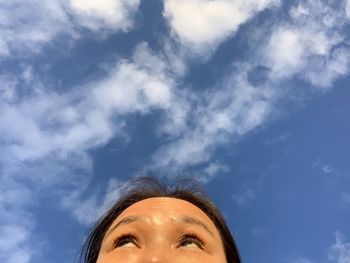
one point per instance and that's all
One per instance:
(142, 188)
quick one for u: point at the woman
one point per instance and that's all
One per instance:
(153, 223)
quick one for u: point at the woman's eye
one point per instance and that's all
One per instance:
(191, 241)
(125, 241)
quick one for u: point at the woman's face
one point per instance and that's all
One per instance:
(162, 229)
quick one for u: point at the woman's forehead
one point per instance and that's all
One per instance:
(164, 204)
(166, 208)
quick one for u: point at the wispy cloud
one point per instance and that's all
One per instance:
(325, 167)
(309, 44)
(16, 223)
(346, 198)
(87, 211)
(27, 25)
(45, 137)
(328, 169)
(104, 14)
(339, 252)
(248, 192)
(215, 168)
(245, 196)
(51, 123)
(347, 8)
(232, 110)
(309, 41)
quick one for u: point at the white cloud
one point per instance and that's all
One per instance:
(213, 169)
(339, 252)
(203, 24)
(8, 87)
(16, 225)
(130, 89)
(229, 112)
(101, 14)
(52, 132)
(170, 59)
(88, 211)
(347, 8)
(29, 24)
(50, 123)
(14, 234)
(247, 193)
(288, 50)
(20, 256)
(45, 137)
(327, 169)
(309, 44)
(235, 108)
(346, 198)
(337, 65)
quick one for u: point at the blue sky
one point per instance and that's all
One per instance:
(250, 97)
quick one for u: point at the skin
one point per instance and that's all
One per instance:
(162, 229)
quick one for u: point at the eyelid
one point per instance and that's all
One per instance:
(122, 237)
(193, 237)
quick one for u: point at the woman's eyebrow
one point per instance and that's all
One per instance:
(124, 221)
(195, 221)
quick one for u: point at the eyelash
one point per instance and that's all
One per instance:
(123, 238)
(192, 237)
